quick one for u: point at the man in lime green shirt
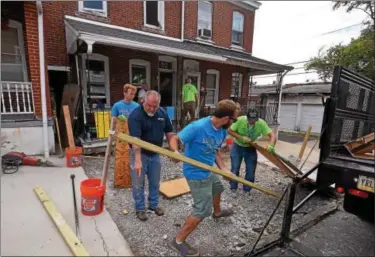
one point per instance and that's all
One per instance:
(190, 97)
(246, 129)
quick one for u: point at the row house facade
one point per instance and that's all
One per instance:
(100, 45)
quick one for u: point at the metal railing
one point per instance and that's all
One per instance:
(17, 98)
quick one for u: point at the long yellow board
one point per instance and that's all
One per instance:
(66, 232)
(170, 154)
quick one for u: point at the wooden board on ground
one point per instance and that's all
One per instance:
(174, 188)
(283, 168)
(122, 177)
(68, 126)
(362, 147)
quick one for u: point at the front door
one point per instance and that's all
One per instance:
(166, 88)
(196, 81)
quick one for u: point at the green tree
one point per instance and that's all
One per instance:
(358, 55)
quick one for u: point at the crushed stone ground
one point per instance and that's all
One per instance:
(224, 237)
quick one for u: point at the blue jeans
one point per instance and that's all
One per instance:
(250, 155)
(151, 167)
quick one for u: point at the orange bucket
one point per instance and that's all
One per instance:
(73, 156)
(92, 196)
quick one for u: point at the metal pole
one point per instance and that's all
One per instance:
(288, 215)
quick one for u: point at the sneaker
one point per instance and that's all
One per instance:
(158, 211)
(184, 248)
(223, 214)
(141, 215)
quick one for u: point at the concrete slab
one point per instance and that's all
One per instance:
(27, 229)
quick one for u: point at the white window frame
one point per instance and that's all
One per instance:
(217, 83)
(96, 57)
(144, 63)
(243, 29)
(161, 15)
(21, 43)
(240, 85)
(98, 12)
(212, 11)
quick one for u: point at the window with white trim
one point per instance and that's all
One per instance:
(236, 90)
(212, 87)
(237, 28)
(139, 72)
(94, 7)
(204, 19)
(13, 61)
(153, 14)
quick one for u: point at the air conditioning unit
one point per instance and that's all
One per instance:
(205, 33)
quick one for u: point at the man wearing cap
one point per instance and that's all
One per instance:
(248, 128)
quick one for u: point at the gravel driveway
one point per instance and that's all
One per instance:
(224, 237)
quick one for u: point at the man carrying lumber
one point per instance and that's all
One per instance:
(246, 129)
(124, 107)
(203, 139)
(149, 123)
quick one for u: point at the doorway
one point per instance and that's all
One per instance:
(196, 81)
(166, 88)
(57, 81)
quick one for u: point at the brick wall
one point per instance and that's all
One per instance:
(32, 46)
(129, 14)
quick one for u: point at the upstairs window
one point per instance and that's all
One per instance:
(154, 14)
(204, 19)
(237, 28)
(95, 7)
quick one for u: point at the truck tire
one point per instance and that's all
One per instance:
(363, 208)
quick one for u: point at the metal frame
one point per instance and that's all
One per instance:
(290, 209)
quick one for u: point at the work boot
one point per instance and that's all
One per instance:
(141, 215)
(183, 248)
(158, 211)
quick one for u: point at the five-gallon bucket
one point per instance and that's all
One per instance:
(92, 196)
(73, 156)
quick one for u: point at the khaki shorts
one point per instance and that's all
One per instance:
(202, 192)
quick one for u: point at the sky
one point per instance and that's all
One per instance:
(293, 31)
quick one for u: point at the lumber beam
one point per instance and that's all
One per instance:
(66, 232)
(168, 153)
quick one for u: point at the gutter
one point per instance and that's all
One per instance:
(42, 77)
(182, 21)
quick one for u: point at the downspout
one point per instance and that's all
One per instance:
(280, 96)
(182, 21)
(42, 77)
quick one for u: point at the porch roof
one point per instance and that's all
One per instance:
(96, 32)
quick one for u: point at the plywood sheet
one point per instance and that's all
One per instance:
(68, 126)
(122, 178)
(174, 188)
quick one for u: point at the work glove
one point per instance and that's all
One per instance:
(271, 148)
(121, 117)
(245, 140)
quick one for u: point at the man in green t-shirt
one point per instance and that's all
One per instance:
(246, 129)
(189, 97)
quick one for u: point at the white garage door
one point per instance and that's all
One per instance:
(288, 115)
(312, 114)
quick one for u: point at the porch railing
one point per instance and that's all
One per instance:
(17, 98)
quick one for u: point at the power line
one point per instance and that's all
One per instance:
(289, 74)
(337, 30)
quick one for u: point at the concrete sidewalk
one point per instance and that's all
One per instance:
(27, 229)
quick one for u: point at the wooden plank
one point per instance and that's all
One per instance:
(108, 152)
(68, 125)
(168, 153)
(362, 147)
(174, 188)
(272, 158)
(306, 138)
(122, 177)
(66, 232)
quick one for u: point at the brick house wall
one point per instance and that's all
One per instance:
(26, 14)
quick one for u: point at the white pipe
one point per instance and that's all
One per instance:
(183, 20)
(280, 96)
(42, 77)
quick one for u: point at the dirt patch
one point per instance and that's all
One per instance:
(223, 237)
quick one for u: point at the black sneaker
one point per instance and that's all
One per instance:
(141, 215)
(184, 248)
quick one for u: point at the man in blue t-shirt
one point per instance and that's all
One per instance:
(203, 139)
(123, 108)
(149, 123)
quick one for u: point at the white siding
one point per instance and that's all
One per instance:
(311, 114)
(288, 116)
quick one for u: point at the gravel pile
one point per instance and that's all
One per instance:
(223, 237)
